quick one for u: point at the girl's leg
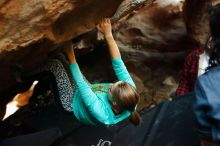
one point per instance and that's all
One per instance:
(64, 86)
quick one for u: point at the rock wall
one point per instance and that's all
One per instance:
(153, 28)
(30, 29)
(154, 40)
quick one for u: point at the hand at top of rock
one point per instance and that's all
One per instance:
(104, 26)
(68, 46)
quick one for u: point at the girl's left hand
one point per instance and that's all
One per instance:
(104, 26)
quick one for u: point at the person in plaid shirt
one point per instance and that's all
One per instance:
(195, 65)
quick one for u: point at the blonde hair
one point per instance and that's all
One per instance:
(127, 98)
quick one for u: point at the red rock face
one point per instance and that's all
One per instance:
(30, 29)
(55, 20)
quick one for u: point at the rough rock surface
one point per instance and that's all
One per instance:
(153, 40)
(154, 28)
(32, 28)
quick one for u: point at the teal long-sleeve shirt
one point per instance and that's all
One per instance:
(93, 107)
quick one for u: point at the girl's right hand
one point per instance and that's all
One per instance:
(68, 47)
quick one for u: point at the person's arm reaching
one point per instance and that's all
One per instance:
(105, 27)
(70, 53)
(118, 65)
(89, 97)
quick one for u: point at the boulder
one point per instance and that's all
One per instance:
(153, 29)
(30, 29)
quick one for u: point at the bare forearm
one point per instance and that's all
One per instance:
(70, 52)
(71, 56)
(112, 47)
(104, 26)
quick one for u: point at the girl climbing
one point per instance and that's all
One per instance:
(104, 103)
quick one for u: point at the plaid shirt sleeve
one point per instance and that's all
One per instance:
(189, 73)
(184, 81)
